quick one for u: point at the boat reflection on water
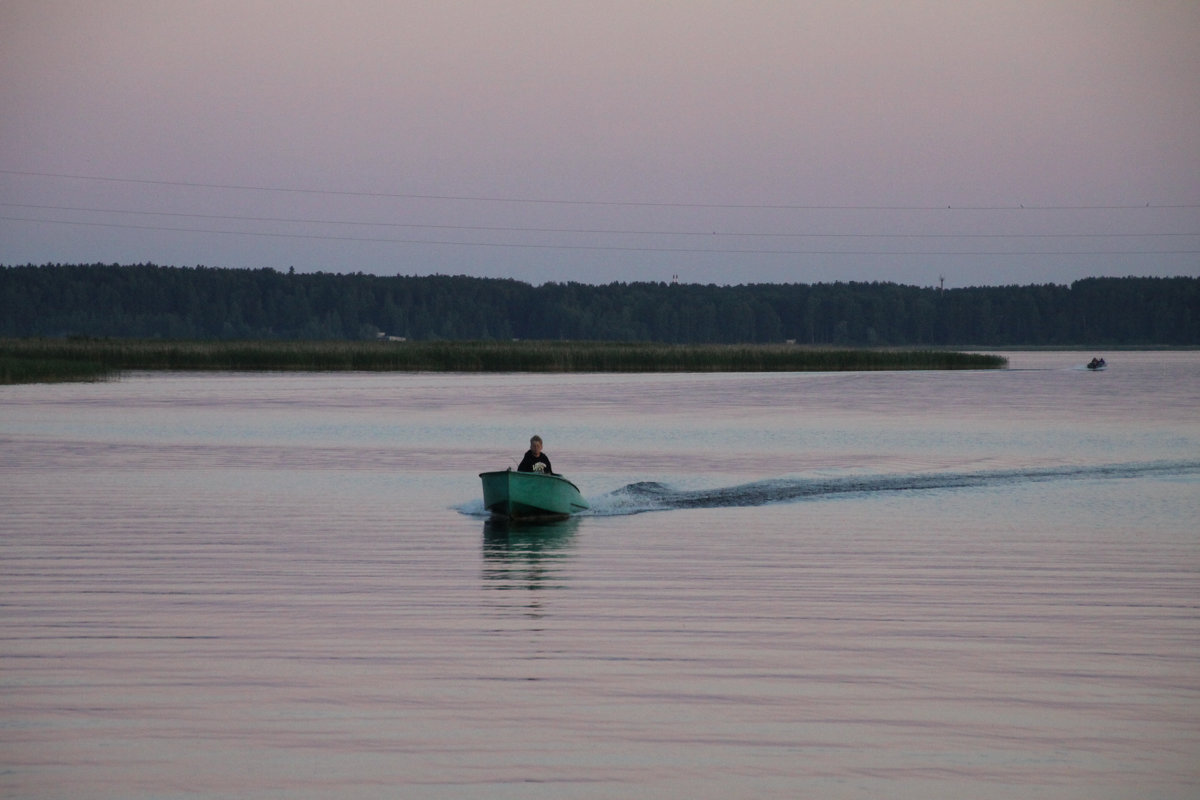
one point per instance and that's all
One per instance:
(526, 543)
(526, 556)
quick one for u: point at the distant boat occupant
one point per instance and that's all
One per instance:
(535, 460)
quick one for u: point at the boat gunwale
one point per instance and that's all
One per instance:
(562, 478)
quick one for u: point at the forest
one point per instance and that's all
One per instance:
(210, 303)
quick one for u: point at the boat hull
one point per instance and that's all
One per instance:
(525, 495)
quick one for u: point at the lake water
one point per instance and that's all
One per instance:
(851, 585)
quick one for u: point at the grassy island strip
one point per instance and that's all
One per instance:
(43, 360)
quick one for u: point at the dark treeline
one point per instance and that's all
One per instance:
(149, 301)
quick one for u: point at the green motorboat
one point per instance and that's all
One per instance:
(523, 495)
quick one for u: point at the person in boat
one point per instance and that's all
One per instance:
(535, 460)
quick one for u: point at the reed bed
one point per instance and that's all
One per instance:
(79, 359)
(50, 370)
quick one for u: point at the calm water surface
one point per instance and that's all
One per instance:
(979, 584)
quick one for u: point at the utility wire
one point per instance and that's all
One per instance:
(622, 248)
(605, 203)
(602, 231)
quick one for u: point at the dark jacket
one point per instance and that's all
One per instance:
(528, 461)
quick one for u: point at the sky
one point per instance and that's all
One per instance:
(971, 143)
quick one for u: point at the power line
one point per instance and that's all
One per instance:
(598, 203)
(620, 248)
(599, 231)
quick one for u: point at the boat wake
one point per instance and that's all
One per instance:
(646, 496)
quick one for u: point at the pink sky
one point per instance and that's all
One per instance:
(724, 142)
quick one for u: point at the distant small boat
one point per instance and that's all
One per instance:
(1097, 364)
(525, 495)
